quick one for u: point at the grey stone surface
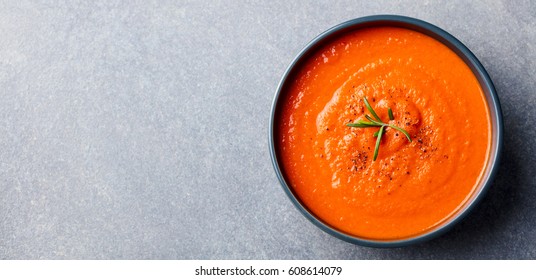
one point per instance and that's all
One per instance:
(138, 129)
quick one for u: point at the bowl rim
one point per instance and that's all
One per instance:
(478, 70)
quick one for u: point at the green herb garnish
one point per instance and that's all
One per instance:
(377, 122)
(391, 117)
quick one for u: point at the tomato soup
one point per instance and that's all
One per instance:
(411, 186)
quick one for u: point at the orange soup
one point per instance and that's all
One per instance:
(411, 186)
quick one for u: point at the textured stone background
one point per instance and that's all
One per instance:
(138, 129)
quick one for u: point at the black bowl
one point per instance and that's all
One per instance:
(464, 53)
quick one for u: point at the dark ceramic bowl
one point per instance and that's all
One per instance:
(456, 46)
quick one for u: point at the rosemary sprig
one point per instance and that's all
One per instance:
(391, 117)
(371, 110)
(377, 122)
(377, 148)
